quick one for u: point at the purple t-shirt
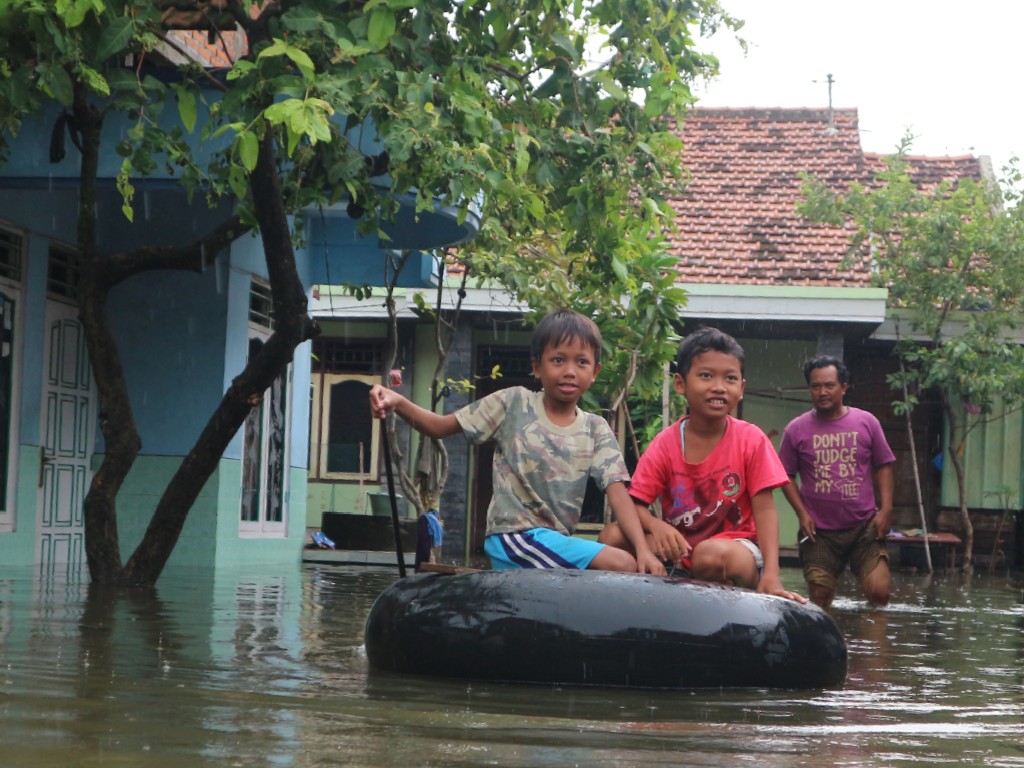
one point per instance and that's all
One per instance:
(835, 459)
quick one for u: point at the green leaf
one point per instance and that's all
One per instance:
(94, 79)
(75, 11)
(56, 81)
(563, 45)
(238, 182)
(114, 38)
(298, 56)
(382, 26)
(248, 149)
(186, 106)
(619, 269)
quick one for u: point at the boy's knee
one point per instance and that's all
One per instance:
(611, 534)
(708, 562)
(613, 559)
(724, 561)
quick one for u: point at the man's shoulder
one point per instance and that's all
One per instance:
(863, 415)
(807, 417)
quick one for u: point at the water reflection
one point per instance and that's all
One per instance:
(269, 670)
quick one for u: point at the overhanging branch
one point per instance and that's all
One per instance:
(193, 257)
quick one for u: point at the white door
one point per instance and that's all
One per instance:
(67, 440)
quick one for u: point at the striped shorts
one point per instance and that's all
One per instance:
(539, 548)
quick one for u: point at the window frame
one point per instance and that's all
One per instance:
(8, 499)
(262, 526)
(10, 287)
(321, 414)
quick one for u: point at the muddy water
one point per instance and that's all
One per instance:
(236, 669)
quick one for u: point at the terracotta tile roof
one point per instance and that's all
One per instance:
(737, 219)
(929, 171)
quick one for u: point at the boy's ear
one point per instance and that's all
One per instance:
(679, 384)
(743, 387)
(597, 369)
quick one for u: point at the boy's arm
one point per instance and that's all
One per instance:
(666, 540)
(796, 500)
(767, 521)
(436, 425)
(629, 521)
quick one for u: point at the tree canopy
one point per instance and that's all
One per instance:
(950, 256)
(554, 116)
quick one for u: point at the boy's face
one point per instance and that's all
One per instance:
(566, 370)
(713, 386)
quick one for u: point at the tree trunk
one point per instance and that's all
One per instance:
(116, 419)
(955, 446)
(292, 327)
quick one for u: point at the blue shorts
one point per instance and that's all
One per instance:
(539, 548)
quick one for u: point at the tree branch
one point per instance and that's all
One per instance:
(194, 257)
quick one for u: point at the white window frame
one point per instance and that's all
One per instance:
(9, 499)
(262, 527)
(322, 383)
(11, 288)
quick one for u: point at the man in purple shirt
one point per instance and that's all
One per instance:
(840, 455)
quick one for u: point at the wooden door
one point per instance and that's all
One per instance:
(66, 444)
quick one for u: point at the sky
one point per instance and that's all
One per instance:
(950, 72)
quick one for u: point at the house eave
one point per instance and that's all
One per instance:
(331, 302)
(786, 303)
(898, 326)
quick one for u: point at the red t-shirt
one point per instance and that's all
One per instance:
(712, 497)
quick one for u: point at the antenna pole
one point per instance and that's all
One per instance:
(831, 115)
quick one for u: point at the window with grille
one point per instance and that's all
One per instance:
(63, 272)
(12, 249)
(344, 439)
(261, 305)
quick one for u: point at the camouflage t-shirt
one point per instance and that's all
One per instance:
(540, 468)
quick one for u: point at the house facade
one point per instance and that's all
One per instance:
(183, 337)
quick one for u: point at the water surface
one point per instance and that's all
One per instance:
(236, 669)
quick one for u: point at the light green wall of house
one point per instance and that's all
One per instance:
(205, 542)
(775, 394)
(992, 458)
(233, 549)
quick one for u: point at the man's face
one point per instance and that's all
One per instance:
(826, 391)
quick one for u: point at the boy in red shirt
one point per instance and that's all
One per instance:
(714, 475)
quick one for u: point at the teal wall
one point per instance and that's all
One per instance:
(210, 536)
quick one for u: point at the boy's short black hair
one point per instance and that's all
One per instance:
(706, 340)
(565, 325)
(824, 361)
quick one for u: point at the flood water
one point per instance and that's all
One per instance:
(232, 669)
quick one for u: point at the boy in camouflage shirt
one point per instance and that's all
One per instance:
(547, 448)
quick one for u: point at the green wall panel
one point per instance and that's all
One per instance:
(992, 458)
